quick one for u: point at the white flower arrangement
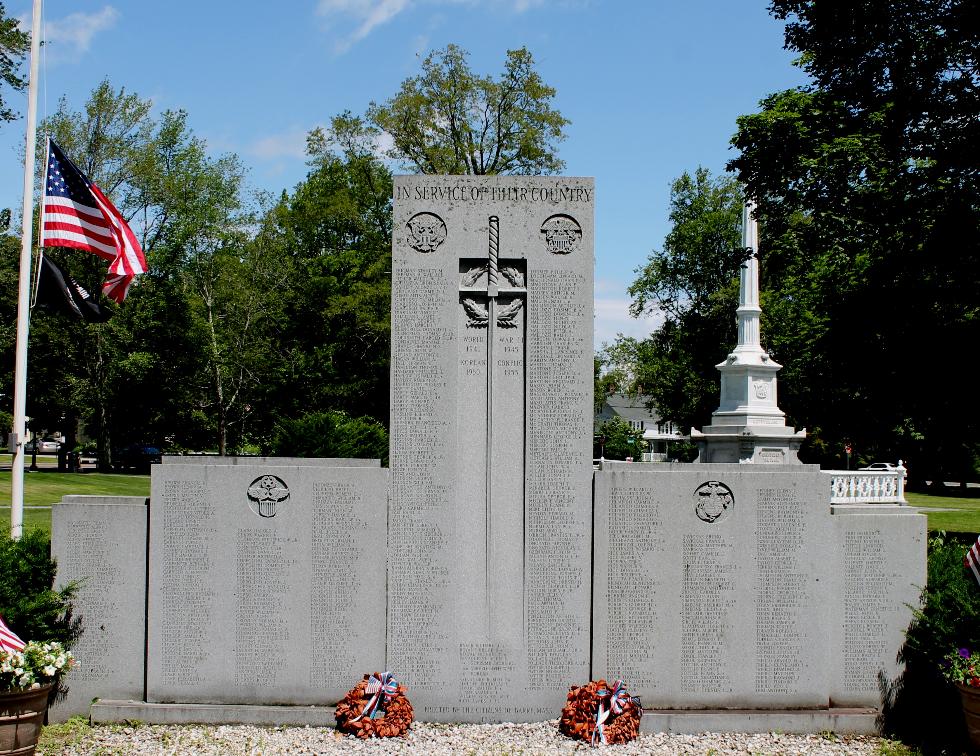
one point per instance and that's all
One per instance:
(38, 664)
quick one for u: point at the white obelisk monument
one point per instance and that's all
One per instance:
(748, 426)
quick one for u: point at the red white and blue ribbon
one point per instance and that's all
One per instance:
(616, 704)
(382, 689)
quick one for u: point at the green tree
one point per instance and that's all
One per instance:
(619, 440)
(178, 201)
(693, 282)
(337, 228)
(699, 255)
(14, 45)
(450, 120)
(233, 280)
(872, 212)
(913, 63)
(330, 434)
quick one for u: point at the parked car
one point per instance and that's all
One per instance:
(137, 457)
(45, 445)
(883, 467)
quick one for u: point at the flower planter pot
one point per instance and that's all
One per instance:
(971, 712)
(21, 717)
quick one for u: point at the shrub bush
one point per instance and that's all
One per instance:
(921, 707)
(28, 602)
(330, 434)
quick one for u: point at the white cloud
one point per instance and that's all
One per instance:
(383, 144)
(612, 317)
(368, 15)
(420, 43)
(67, 39)
(287, 144)
(290, 144)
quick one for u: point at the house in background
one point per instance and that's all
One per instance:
(657, 433)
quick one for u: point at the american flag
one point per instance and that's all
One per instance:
(8, 639)
(77, 214)
(972, 559)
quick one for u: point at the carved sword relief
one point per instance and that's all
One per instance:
(492, 297)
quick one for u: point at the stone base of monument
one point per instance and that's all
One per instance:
(690, 722)
(120, 712)
(855, 721)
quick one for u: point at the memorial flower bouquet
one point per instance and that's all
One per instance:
(35, 665)
(962, 667)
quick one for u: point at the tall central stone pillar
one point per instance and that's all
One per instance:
(491, 444)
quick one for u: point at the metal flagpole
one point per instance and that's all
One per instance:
(24, 294)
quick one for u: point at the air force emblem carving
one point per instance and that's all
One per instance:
(266, 493)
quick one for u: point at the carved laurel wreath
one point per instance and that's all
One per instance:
(479, 315)
(512, 274)
(478, 312)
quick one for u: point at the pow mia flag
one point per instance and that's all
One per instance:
(59, 292)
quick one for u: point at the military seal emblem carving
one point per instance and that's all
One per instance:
(713, 501)
(562, 234)
(761, 389)
(266, 493)
(426, 231)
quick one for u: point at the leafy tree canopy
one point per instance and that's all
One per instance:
(450, 120)
(871, 208)
(619, 441)
(699, 254)
(693, 282)
(913, 62)
(337, 228)
(184, 206)
(14, 45)
(330, 434)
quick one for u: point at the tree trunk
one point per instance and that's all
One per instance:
(219, 389)
(103, 438)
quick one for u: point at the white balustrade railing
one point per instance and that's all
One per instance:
(867, 486)
(654, 457)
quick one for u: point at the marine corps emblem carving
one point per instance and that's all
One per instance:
(562, 234)
(426, 231)
(713, 501)
(266, 493)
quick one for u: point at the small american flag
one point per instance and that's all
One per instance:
(8, 639)
(77, 214)
(972, 559)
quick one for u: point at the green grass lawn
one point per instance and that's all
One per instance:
(45, 488)
(965, 517)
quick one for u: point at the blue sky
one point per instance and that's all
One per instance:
(651, 88)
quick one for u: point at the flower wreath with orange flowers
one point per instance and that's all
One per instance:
(376, 707)
(600, 713)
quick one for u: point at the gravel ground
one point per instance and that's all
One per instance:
(438, 739)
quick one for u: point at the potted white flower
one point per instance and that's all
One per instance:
(28, 672)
